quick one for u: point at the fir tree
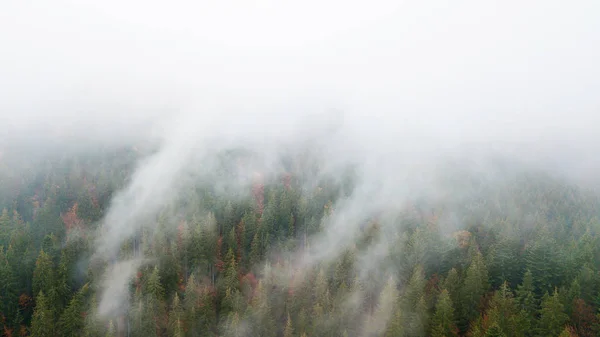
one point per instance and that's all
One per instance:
(42, 323)
(72, 322)
(552, 316)
(474, 287)
(288, 331)
(175, 327)
(443, 323)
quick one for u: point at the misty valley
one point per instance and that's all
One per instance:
(298, 251)
(314, 168)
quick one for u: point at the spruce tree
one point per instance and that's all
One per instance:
(8, 289)
(288, 331)
(42, 323)
(526, 299)
(474, 287)
(443, 322)
(43, 274)
(71, 321)
(552, 315)
(175, 326)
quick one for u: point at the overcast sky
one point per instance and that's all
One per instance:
(460, 70)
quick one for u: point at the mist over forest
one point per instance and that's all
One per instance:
(282, 169)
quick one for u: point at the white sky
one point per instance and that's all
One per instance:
(471, 70)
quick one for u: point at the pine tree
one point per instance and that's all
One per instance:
(110, 332)
(494, 331)
(175, 327)
(191, 302)
(526, 300)
(43, 275)
(414, 305)
(234, 327)
(504, 262)
(62, 289)
(395, 327)
(231, 272)
(8, 289)
(142, 321)
(474, 287)
(6, 228)
(503, 312)
(42, 323)
(543, 260)
(255, 250)
(443, 323)
(207, 312)
(154, 303)
(552, 315)
(263, 322)
(322, 295)
(288, 331)
(453, 285)
(344, 270)
(72, 322)
(388, 299)
(93, 325)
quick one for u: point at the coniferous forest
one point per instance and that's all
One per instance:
(515, 257)
(324, 168)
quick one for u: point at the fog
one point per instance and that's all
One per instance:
(390, 85)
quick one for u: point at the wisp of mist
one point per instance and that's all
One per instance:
(393, 88)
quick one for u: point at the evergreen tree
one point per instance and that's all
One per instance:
(8, 289)
(288, 331)
(474, 287)
(414, 306)
(494, 331)
(443, 323)
(552, 316)
(93, 325)
(110, 332)
(255, 250)
(452, 284)
(388, 300)
(503, 313)
(543, 260)
(526, 300)
(72, 322)
(504, 262)
(6, 228)
(263, 322)
(395, 327)
(42, 323)
(154, 309)
(175, 328)
(191, 302)
(43, 275)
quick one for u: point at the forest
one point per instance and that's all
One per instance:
(516, 257)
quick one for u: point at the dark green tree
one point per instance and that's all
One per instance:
(42, 324)
(443, 322)
(552, 315)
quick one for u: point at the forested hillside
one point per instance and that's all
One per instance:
(517, 256)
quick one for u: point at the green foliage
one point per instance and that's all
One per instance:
(72, 323)
(475, 285)
(42, 324)
(176, 319)
(478, 262)
(552, 315)
(8, 288)
(443, 321)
